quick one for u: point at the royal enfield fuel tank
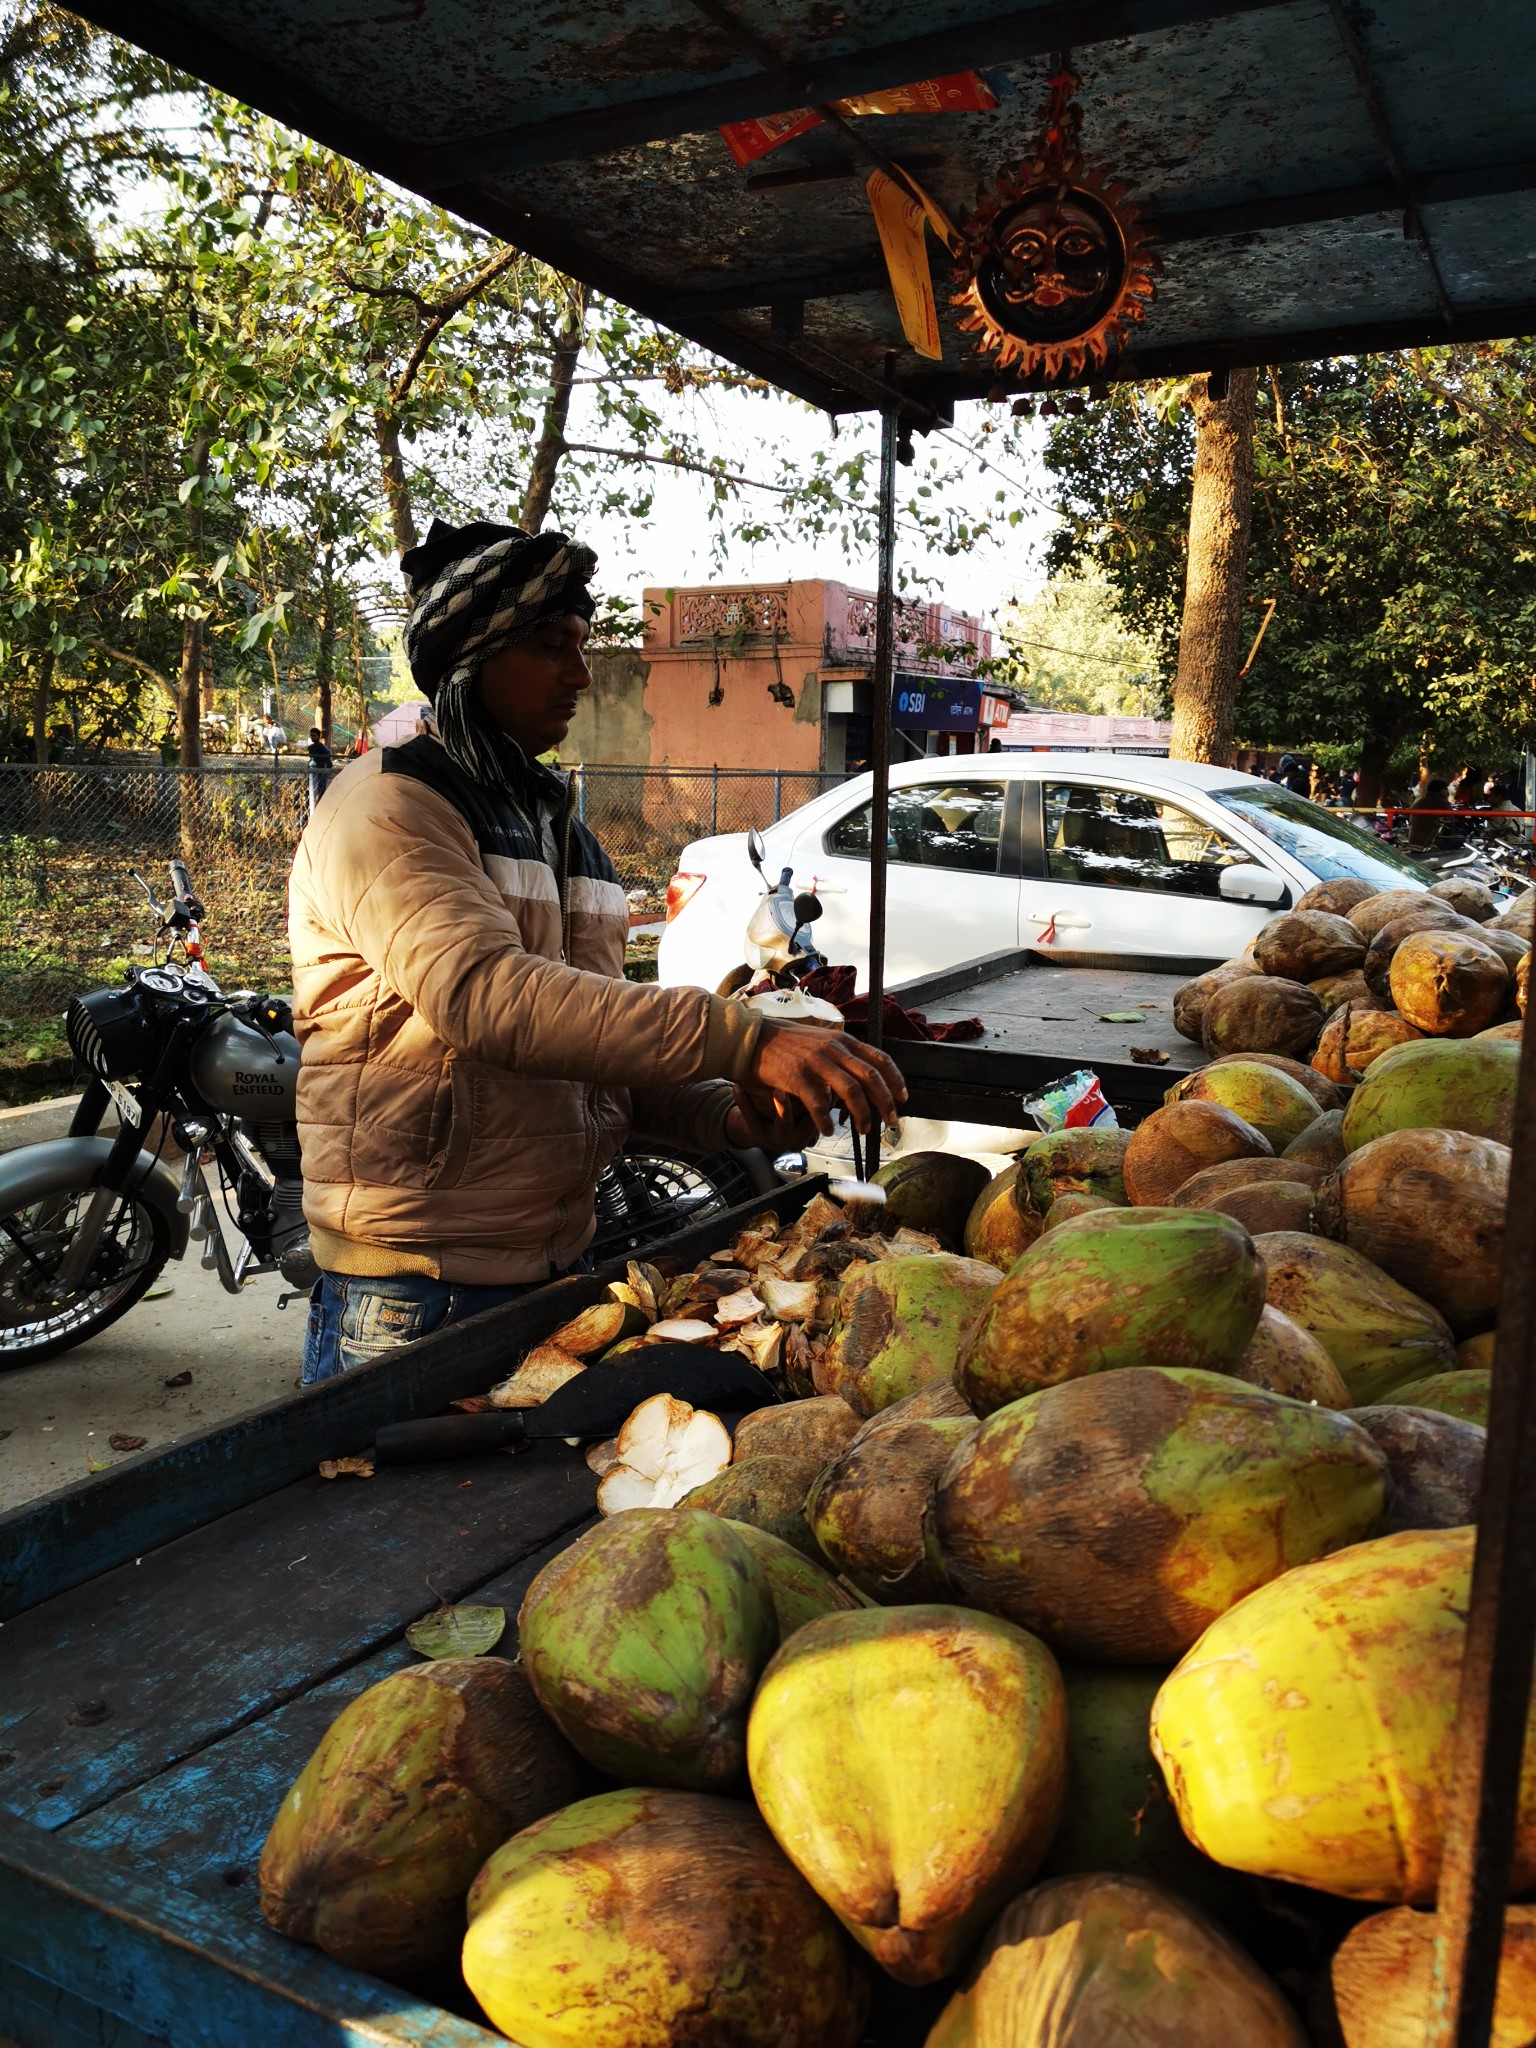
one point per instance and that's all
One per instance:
(235, 1069)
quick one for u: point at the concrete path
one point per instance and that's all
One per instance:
(57, 1419)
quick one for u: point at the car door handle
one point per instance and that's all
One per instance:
(1062, 923)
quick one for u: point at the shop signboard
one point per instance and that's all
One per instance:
(936, 703)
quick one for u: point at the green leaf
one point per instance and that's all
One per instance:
(457, 1632)
(1121, 1017)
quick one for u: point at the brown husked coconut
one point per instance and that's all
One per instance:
(1472, 899)
(1288, 1360)
(1202, 1190)
(1340, 897)
(1475, 1354)
(1522, 983)
(867, 1507)
(1449, 984)
(1174, 1143)
(1189, 1001)
(1301, 945)
(1334, 989)
(939, 1401)
(1381, 1978)
(1436, 1463)
(1354, 1036)
(1264, 1013)
(1321, 1144)
(1323, 1092)
(1516, 916)
(1512, 1031)
(1371, 913)
(1430, 917)
(819, 1428)
(1267, 1205)
(1427, 1208)
(1509, 946)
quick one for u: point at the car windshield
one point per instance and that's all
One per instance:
(1333, 847)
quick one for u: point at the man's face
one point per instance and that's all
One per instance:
(531, 690)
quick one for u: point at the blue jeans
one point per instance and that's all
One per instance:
(354, 1320)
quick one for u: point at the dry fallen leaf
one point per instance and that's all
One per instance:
(121, 1441)
(1149, 1056)
(179, 1379)
(346, 1468)
(457, 1632)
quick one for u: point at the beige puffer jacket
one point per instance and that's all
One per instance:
(473, 1056)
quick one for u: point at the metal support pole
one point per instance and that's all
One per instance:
(778, 794)
(1483, 1800)
(880, 751)
(714, 799)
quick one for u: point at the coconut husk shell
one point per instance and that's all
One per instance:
(1464, 1394)
(1277, 1106)
(1472, 899)
(1509, 946)
(1335, 989)
(1086, 1962)
(1379, 1983)
(1304, 945)
(1073, 1163)
(932, 1191)
(1512, 1031)
(1371, 913)
(1176, 1142)
(1320, 1146)
(1475, 1354)
(1067, 1207)
(1380, 1336)
(1516, 916)
(1263, 1013)
(1070, 1513)
(801, 1588)
(1202, 1189)
(1449, 984)
(900, 1323)
(1426, 1207)
(768, 1492)
(867, 1507)
(1424, 917)
(815, 1430)
(1288, 1360)
(1190, 1000)
(998, 1229)
(1356, 1035)
(1324, 1093)
(1450, 1084)
(939, 1401)
(1436, 1463)
(1522, 983)
(1267, 1205)
(1339, 896)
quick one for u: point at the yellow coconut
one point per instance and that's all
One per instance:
(1308, 1735)
(1380, 1980)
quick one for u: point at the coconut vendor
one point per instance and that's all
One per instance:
(473, 1055)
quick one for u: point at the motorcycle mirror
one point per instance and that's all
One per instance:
(757, 849)
(807, 909)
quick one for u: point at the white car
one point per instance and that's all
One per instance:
(1071, 854)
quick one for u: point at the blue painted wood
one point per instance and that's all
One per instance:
(163, 1966)
(84, 1530)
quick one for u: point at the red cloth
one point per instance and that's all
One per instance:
(835, 985)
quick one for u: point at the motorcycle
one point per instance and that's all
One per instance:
(88, 1222)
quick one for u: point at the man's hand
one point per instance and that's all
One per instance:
(813, 1069)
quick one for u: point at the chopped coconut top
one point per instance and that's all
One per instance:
(664, 1451)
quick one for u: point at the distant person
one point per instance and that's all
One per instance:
(321, 766)
(1292, 775)
(1423, 825)
(273, 737)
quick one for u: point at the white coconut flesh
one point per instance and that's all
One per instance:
(663, 1452)
(680, 1330)
(741, 1307)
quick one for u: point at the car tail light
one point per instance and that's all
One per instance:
(681, 891)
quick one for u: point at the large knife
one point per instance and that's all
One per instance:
(595, 1403)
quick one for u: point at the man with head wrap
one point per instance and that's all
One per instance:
(473, 1055)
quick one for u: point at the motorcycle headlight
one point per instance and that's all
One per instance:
(109, 1032)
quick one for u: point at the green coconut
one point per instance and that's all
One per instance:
(1179, 1141)
(1118, 1816)
(1112, 1962)
(911, 1762)
(1448, 1084)
(801, 1590)
(1325, 1094)
(1124, 1287)
(1117, 1516)
(412, 1787)
(1279, 1108)
(1067, 1208)
(643, 1643)
(1435, 1461)
(1379, 1335)
(768, 1492)
(997, 1229)
(867, 1508)
(932, 1191)
(646, 1919)
(1462, 1392)
(899, 1324)
(1074, 1163)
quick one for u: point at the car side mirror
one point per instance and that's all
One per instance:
(1250, 883)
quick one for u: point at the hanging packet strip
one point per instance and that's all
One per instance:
(963, 92)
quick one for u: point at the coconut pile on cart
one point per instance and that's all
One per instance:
(1087, 1621)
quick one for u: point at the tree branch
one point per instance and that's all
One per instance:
(487, 274)
(143, 667)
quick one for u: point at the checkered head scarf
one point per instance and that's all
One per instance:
(476, 590)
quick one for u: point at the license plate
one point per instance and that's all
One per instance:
(127, 1107)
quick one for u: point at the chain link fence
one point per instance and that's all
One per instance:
(71, 914)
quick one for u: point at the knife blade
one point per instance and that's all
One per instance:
(596, 1403)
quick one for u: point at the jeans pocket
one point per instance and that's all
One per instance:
(378, 1316)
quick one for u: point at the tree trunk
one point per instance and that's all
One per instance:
(546, 457)
(1210, 638)
(190, 695)
(325, 657)
(397, 489)
(42, 695)
(1374, 756)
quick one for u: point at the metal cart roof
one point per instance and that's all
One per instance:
(1324, 178)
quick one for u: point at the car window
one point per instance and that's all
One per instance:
(1331, 844)
(1119, 839)
(932, 825)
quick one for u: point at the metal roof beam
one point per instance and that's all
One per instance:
(1009, 38)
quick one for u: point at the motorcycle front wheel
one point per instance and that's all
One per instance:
(34, 1322)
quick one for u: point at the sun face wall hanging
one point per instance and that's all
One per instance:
(1055, 263)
